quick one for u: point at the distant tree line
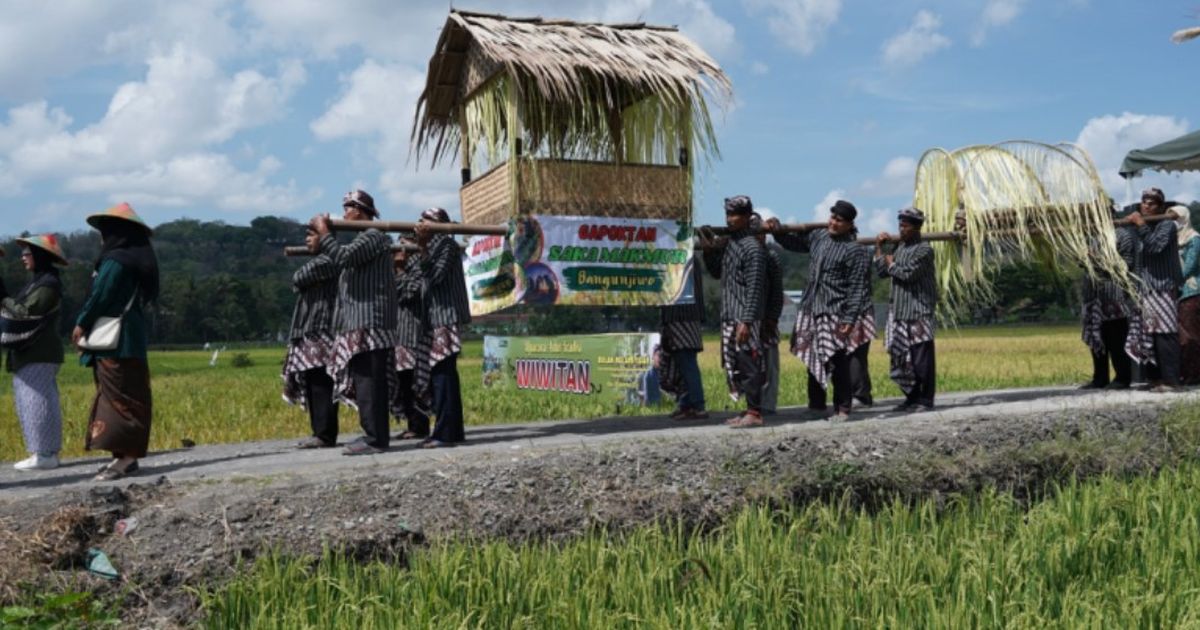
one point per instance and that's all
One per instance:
(229, 283)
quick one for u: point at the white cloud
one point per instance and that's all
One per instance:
(155, 138)
(821, 210)
(996, 13)
(67, 35)
(759, 68)
(896, 179)
(798, 24)
(184, 103)
(1107, 139)
(371, 26)
(210, 177)
(921, 40)
(357, 115)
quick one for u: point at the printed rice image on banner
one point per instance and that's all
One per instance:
(617, 368)
(488, 264)
(601, 260)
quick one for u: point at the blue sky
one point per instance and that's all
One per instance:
(227, 110)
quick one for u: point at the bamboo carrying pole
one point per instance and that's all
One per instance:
(410, 226)
(300, 250)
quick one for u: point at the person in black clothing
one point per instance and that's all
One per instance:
(306, 381)
(448, 310)
(1162, 276)
(739, 261)
(910, 318)
(860, 372)
(682, 340)
(364, 321)
(828, 321)
(1106, 312)
(412, 346)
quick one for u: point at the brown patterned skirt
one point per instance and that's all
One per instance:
(1189, 341)
(121, 411)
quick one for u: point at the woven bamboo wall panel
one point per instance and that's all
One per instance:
(487, 200)
(597, 189)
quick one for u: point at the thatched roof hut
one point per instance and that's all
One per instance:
(577, 103)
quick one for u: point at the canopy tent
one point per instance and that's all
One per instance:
(1180, 154)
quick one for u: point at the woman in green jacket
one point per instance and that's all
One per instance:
(126, 278)
(35, 362)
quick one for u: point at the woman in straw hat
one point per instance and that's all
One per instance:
(36, 357)
(125, 278)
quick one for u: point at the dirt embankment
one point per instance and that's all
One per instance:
(195, 534)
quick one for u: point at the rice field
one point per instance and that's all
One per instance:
(1108, 553)
(222, 403)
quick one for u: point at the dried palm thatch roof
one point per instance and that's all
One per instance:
(1020, 200)
(572, 75)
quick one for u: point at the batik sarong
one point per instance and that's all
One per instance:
(730, 348)
(346, 346)
(307, 353)
(902, 336)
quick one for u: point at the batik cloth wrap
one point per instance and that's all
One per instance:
(444, 341)
(1159, 315)
(902, 335)
(1107, 305)
(346, 346)
(676, 337)
(815, 340)
(307, 353)
(415, 358)
(729, 350)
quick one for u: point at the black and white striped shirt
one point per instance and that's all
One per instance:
(774, 286)
(366, 284)
(835, 273)
(445, 284)
(868, 284)
(742, 268)
(914, 282)
(315, 285)
(410, 298)
(1161, 269)
(1104, 288)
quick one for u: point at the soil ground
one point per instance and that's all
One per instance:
(203, 511)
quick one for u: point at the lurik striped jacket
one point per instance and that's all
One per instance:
(445, 283)
(315, 285)
(836, 273)
(914, 283)
(742, 269)
(366, 290)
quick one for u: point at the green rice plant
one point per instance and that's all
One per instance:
(1108, 553)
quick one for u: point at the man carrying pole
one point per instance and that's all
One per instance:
(739, 261)
(1106, 312)
(364, 321)
(860, 373)
(773, 290)
(910, 316)
(448, 309)
(410, 400)
(679, 371)
(825, 333)
(1161, 276)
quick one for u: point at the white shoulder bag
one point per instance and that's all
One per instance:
(106, 332)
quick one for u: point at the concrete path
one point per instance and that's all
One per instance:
(278, 458)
